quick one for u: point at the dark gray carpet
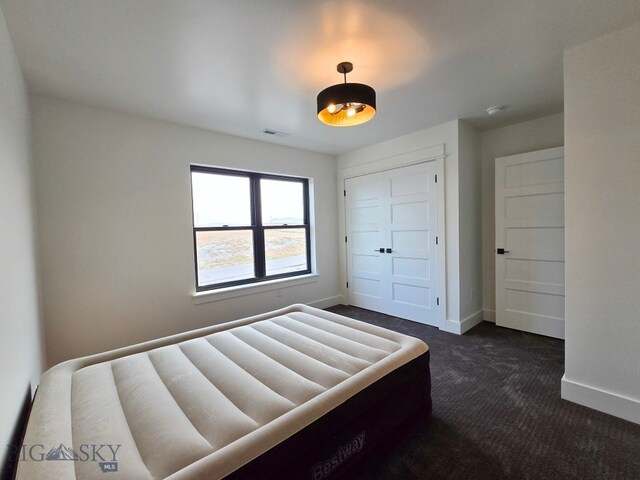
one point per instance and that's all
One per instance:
(497, 414)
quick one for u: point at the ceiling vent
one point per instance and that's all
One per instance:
(275, 133)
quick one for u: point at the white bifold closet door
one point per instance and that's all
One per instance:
(391, 220)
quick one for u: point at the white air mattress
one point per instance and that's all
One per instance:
(204, 403)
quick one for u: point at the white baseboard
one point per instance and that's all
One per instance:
(490, 315)
(453, 326)
(602, 400)
(326, 302)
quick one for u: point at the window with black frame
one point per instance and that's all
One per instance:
(248, 227)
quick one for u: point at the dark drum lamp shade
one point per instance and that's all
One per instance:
(346, 104)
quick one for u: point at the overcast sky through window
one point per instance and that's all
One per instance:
(225, 200)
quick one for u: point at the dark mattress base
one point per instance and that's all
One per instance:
(331, 445)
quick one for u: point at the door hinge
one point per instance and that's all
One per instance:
(347, 284)
(345, 193)
(436, 178)
(345, 239)
(438, 301)
(436, 240)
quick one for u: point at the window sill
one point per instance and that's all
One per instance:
(253, 288)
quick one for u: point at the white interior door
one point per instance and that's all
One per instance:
(530, 242)
(391, 229)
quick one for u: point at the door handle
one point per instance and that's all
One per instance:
(381, 250)
(502, 251)
(389, 250)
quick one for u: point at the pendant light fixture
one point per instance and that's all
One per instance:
(346, 104)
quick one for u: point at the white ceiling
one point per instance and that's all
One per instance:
(239, 66)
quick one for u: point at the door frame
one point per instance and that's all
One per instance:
(434, 153)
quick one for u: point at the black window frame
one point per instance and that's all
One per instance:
(257, 228)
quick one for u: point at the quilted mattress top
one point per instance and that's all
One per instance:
(203, 403)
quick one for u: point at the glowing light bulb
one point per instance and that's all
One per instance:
(331, 108)
(351, 112)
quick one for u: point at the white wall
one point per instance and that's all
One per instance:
(546, 132)
(20, 337)
(454, 135)
(470, 201)
(113, 195)
(602, 210)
